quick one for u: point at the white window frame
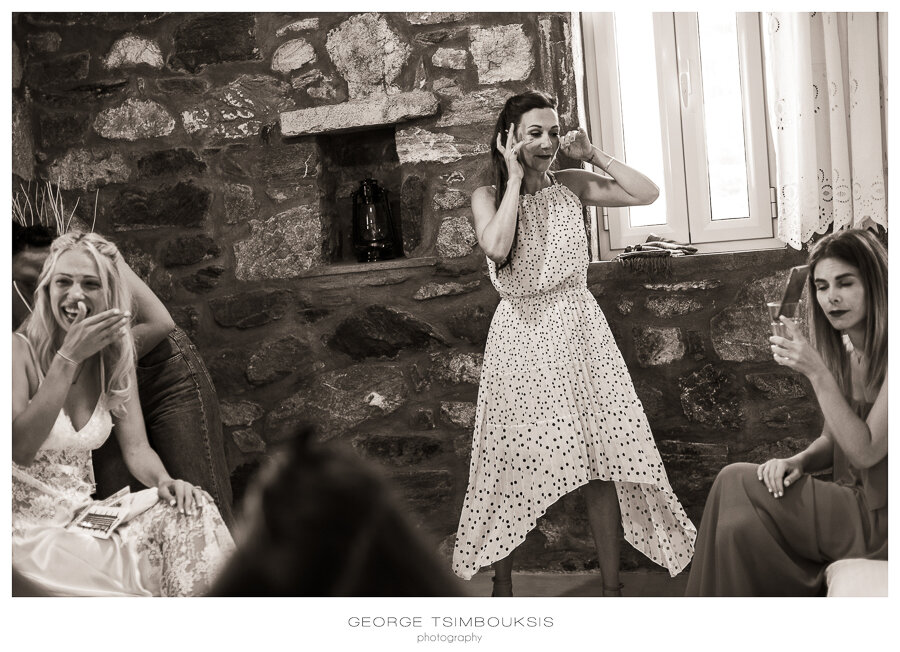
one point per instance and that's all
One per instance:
(679, 90)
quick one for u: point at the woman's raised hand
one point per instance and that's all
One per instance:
(795, 352)
(88, 335)
(778, 474)
(510, 152)
(575, 144)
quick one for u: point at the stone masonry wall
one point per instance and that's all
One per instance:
(220, 150)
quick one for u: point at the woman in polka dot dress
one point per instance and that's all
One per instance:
(556, 405)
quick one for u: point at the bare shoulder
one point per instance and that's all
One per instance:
(20, 346)
(22, 360)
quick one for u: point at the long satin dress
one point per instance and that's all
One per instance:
(751, 544)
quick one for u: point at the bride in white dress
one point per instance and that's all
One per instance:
(73, 379)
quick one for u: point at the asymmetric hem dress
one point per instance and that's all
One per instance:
(752, 544)
(556, 405)
(158, 552)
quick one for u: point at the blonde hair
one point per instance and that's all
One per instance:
(46, 335)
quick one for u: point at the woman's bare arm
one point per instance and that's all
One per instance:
(152, 320)
(496, 227)
(863, 442)
(32, 421)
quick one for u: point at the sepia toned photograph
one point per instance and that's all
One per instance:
(470, 304)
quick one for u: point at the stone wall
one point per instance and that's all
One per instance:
(220, 151)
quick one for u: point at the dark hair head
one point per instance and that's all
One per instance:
(515, 107)
(320, 521)
(861, 249)
(33, 235)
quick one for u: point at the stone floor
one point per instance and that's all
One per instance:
(640, 583)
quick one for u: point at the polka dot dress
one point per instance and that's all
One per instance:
(556, 405)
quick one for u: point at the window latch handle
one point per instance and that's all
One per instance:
(684, 86)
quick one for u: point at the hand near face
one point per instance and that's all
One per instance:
(88, 335)
(510, 152)
(575, 144)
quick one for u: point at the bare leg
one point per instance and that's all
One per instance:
(605, 519)
(503, 577)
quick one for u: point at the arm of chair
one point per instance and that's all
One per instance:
(861, 578)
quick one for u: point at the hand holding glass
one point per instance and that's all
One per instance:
(791, 310)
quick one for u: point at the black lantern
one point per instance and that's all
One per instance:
(374, 234)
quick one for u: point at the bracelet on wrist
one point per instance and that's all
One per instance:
(67, 358)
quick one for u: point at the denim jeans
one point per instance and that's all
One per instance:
(181, 412)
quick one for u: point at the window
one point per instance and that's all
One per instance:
(680, 97)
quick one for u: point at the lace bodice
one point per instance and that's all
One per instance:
(61, 477)
(551, 250)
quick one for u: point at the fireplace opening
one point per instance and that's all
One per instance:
(347, 159)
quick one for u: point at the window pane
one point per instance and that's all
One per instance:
(724, 115)
(640, 108)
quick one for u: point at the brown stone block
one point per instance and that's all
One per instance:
(188, 250)
(436, 290)
(471, 323)
(112, 21)
(379, 331)
(84, 96)
(185, 204)
(412, 204)
(240, 413)
(226, 367)
(778, 386)
(710, 396)
(60, 71)
(278, 359)
(240, 205)
(243, 108)
(214, 38)
(657, 345)
(282, 246)
(791, 417)
(340, 400)
(436, 36)
(89, 169)
(397, 450)
(456, 368)
(251, 309)
(171, 162)
(691, 468)
(203, 280)
(248, 441)
(61, 129)
(368, 54)
(459, 413)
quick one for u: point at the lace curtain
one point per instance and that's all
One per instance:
(826, 81)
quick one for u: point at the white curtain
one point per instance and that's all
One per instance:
(826, 82)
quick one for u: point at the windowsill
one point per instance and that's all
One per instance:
(701, 265)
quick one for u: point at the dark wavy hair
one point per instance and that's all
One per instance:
(320, 521)
(515, 107)
(862, 249)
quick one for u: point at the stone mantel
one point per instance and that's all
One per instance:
(373, 111)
